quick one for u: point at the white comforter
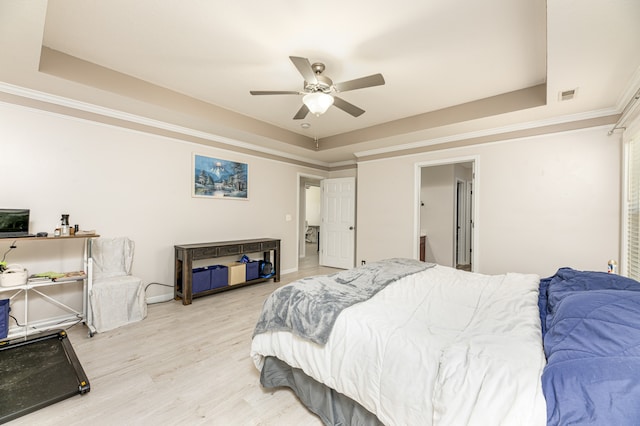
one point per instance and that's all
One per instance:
(440, 347)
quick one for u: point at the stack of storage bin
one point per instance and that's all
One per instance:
(253, 270)
(209, 278)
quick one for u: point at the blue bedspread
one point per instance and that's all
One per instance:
(591, 332)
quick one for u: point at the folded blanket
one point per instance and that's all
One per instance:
(309, 307)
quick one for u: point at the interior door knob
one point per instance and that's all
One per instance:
(351, 228)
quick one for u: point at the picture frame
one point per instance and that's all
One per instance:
(219, 179)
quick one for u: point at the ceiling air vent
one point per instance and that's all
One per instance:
(567, 95)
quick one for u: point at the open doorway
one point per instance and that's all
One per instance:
(309, 222)
(446, 214)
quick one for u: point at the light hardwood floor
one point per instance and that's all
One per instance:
(182, 365)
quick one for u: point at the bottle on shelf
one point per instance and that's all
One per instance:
(64, 226)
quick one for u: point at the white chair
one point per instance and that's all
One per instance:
(117, 298)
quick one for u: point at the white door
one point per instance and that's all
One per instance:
(337, 230)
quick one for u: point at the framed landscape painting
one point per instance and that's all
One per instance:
(217, 178)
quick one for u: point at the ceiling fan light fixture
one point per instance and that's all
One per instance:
(318, 102)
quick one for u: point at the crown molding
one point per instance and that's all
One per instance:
(72, 104)
(222, 142)
(514, 128)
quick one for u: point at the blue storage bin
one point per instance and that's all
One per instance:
(200, 280)
(4, 318)
(219, 276)
(253, 270)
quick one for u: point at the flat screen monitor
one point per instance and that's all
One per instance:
(14, 223)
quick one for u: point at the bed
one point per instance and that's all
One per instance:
(403, 342)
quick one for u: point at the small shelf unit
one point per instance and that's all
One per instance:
(26, 327)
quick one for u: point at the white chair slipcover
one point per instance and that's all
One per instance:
(117, 298)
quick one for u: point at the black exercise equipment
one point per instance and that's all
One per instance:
(38, 371)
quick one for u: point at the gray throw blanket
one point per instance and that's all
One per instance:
(309, 307)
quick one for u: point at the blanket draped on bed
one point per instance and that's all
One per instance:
(310, 308)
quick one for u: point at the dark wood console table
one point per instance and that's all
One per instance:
(185, 254)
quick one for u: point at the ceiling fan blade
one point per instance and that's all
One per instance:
(304, 68)
(302, 113)
(273, 92)
(347, 107)
(360, 83)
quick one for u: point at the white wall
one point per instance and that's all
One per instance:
(542, 203)
(126, 183)
(313, 205)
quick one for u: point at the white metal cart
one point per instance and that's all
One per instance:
(73, 315)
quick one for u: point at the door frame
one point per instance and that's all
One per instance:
(475, 169)
(460, 226)
(299, 219)
(469, 225)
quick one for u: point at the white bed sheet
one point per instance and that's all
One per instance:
(440, 347)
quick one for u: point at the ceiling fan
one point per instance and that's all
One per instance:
(318, 89)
